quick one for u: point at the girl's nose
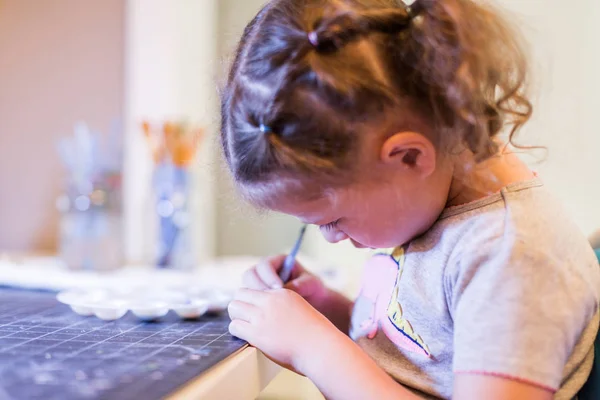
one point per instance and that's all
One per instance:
(333, 235)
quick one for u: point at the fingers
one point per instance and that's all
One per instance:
(297, 271)
(264, 275)
(250, 296)
(245, 311)
(251, 280)
(241, 310)
(306, 285)
(268, 271)
(241, 329)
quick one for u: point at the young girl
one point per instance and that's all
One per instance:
(381, 124)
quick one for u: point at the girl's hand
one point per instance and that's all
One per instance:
(281, 324)
(265, 276)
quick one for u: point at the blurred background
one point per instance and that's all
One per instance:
(97, 96)
(75, 75)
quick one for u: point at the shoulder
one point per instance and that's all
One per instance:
(523, 238)
(520, 279)
(520, 219)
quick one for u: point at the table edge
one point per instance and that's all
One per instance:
(243, 375)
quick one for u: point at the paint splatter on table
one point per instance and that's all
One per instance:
(49, 352)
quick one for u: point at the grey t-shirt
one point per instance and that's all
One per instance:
(505, 286)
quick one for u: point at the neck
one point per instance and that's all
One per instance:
(473, 181)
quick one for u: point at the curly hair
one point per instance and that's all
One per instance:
(310, 76)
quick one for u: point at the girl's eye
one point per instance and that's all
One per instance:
(330, 225)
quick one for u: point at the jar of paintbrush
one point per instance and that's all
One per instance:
(174, 146)
(90, 204)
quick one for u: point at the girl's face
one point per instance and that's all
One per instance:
(398, 197)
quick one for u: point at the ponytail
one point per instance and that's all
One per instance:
(473, 69)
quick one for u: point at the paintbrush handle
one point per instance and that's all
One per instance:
(290, 260)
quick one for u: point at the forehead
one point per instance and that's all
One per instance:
(301, 198)
(315, 211)
(277, 188)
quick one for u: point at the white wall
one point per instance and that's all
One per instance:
(171, 59)
(61, 61)
(589, 192)
(565, 43)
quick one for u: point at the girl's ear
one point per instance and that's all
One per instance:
(410, 150)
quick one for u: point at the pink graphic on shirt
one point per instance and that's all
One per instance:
(377, 286)
(380, 287)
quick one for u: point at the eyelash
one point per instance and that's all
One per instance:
(330, 225)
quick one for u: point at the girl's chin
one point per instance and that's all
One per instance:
(359, 245)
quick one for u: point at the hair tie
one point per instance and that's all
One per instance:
(415, 9)
(265, 129)
(313, 38)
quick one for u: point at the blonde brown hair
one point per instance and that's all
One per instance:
(310, 75)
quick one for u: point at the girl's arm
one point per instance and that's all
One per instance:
(292, 333)
(473, 386)
(336, 307)
(341, 370)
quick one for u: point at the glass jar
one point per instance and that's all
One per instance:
(90, 235)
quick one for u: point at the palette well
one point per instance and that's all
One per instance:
(145, 304)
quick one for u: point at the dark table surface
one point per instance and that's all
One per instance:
(49, 352)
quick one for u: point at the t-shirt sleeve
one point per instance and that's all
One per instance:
(518, 311)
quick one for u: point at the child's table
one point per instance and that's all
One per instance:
(47, 351)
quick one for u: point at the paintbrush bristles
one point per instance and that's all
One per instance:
(177, 144)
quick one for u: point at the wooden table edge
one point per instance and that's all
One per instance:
(241, 376)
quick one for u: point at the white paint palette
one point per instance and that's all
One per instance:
(146, 305)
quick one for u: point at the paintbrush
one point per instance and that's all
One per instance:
(290, 260)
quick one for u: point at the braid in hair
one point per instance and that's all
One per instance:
(330, 35)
